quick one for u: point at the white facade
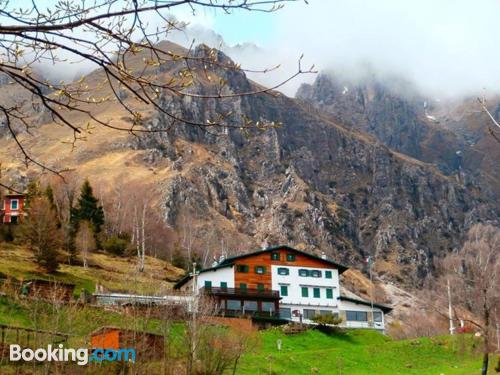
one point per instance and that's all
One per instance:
(322, 291)
(215, 277)
(363, 320)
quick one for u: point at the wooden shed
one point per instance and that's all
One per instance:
(147, 345)
(48, 290)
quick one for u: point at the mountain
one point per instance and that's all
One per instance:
(317, 183)
(452, 135)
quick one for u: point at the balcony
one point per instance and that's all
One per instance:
(241, 292)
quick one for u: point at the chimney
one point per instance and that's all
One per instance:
(323, 255)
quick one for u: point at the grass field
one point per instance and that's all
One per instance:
(361, 352)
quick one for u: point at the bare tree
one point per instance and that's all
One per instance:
(493, 131)
(122, 40)
(64, 197)
(85, 241)
(474, 276)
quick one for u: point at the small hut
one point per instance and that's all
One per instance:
(147, 345)
(48, 290)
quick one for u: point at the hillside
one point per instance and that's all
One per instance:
(348, 352)
(312, 183)
(113, 273)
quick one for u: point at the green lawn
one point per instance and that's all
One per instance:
(360, 352)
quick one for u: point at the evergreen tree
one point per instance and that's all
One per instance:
(87, 208)
(33, 191)
(39, 231)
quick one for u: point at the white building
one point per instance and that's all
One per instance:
(285, 283)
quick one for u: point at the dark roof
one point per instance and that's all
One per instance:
(44, 281)
(340, 267)
(230, 261)
(384, 308)
(186, 278)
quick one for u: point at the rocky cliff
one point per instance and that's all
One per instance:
(315, 183)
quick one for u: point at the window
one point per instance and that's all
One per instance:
(260, 287)
(305, 292)
(328, 274)
(275, 256)
(329, 293)
(303, 273)
(208, 284)
(283, 271)
(290, 257)
(268, 307)
(377, 316)
(315, 273)
(14, 204)
(309, 314)
(243, 287)
(284, 290)
(357, 316)
(250, 305)
(242, 268)
(223, 285)
(285, 313)
(316, 293)
(261, 270)
(233, 304)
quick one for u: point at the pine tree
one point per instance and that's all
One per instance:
(87, 208)
(33, 191)
(39, 231)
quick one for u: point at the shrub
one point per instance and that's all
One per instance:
(327, 319)
(115, 245)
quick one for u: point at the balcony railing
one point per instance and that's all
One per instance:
(241, 292)
(249, 314)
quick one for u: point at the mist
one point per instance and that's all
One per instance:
(445, 48)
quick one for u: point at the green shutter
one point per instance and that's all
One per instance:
(329, 293)
(316, 293)
(284, 290)
(261, 270)
(260, 287)
(305, 292)
(223, 285)
(208, 284)
(242, 268)
(243, 286)
(303, 273)
(328, 274)
(283, 271)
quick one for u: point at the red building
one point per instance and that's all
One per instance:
(12, 208)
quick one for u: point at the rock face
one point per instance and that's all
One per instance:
(392, 112)
(315, 184)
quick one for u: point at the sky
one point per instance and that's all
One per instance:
(444, 47)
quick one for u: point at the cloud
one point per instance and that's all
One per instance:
(446, 47)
